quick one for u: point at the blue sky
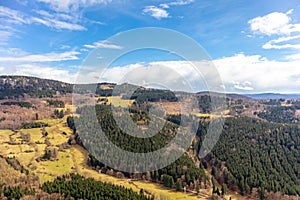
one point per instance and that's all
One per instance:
(254, 45)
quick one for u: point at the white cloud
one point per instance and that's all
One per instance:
(55, 21)
(246, 85)
(240, 74)
(13, 52)
(275, 44)
(263, 75)
(103, 45)
(277, 23)
(164, 5)
(48, 57)
(180, 2)
(293, 57)
(71, 5)
(174, 75)
(57, 24)
(161, 11)
(84, 50)
(283, 46)
(40, 71)
(157, 13)
(176, 3)
(274, 23)
(54, 15)
(4, 36)
(290, 11)
(65, 47)
(12, 16)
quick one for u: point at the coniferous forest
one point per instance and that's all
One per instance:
(265, 156)
(250, 153)
(77, 187)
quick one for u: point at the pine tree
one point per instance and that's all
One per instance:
(261, 192)
(178, 185)
(224, 189)
(197, 188)
(218, 191)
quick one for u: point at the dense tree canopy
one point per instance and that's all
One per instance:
(258, 154)
(78, 187)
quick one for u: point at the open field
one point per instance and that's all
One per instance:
(210, 115)
(117, 101)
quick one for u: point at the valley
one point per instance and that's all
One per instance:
(39, 141)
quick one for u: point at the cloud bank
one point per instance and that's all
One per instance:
(240, 74)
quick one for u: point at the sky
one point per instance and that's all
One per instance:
(254, 45)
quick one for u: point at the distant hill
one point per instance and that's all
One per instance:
(273, 96)
(229, 95)
(18, 86)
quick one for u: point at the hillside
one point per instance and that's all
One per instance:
(256, 156)
(19, 86)
(273, 96)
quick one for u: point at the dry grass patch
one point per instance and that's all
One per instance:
(117, 101)
(62, 165)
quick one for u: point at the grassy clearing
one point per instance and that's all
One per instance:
(4, 136)
(210, 115)
(117, 101)
(25, 158)
(63, 165)
(70, 107)
(44, 177)
(46, 170)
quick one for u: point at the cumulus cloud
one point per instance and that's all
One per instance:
(174, 75)
(277, 23)
(258, 74)
(273, 23)
(46, 72)
(246, 85)
(41, 71)
(156, 12)
(239, 74)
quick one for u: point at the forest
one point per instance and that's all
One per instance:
(280, 114)
(258, 154)
(12, 87)
(250, 153)
(77, 187)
